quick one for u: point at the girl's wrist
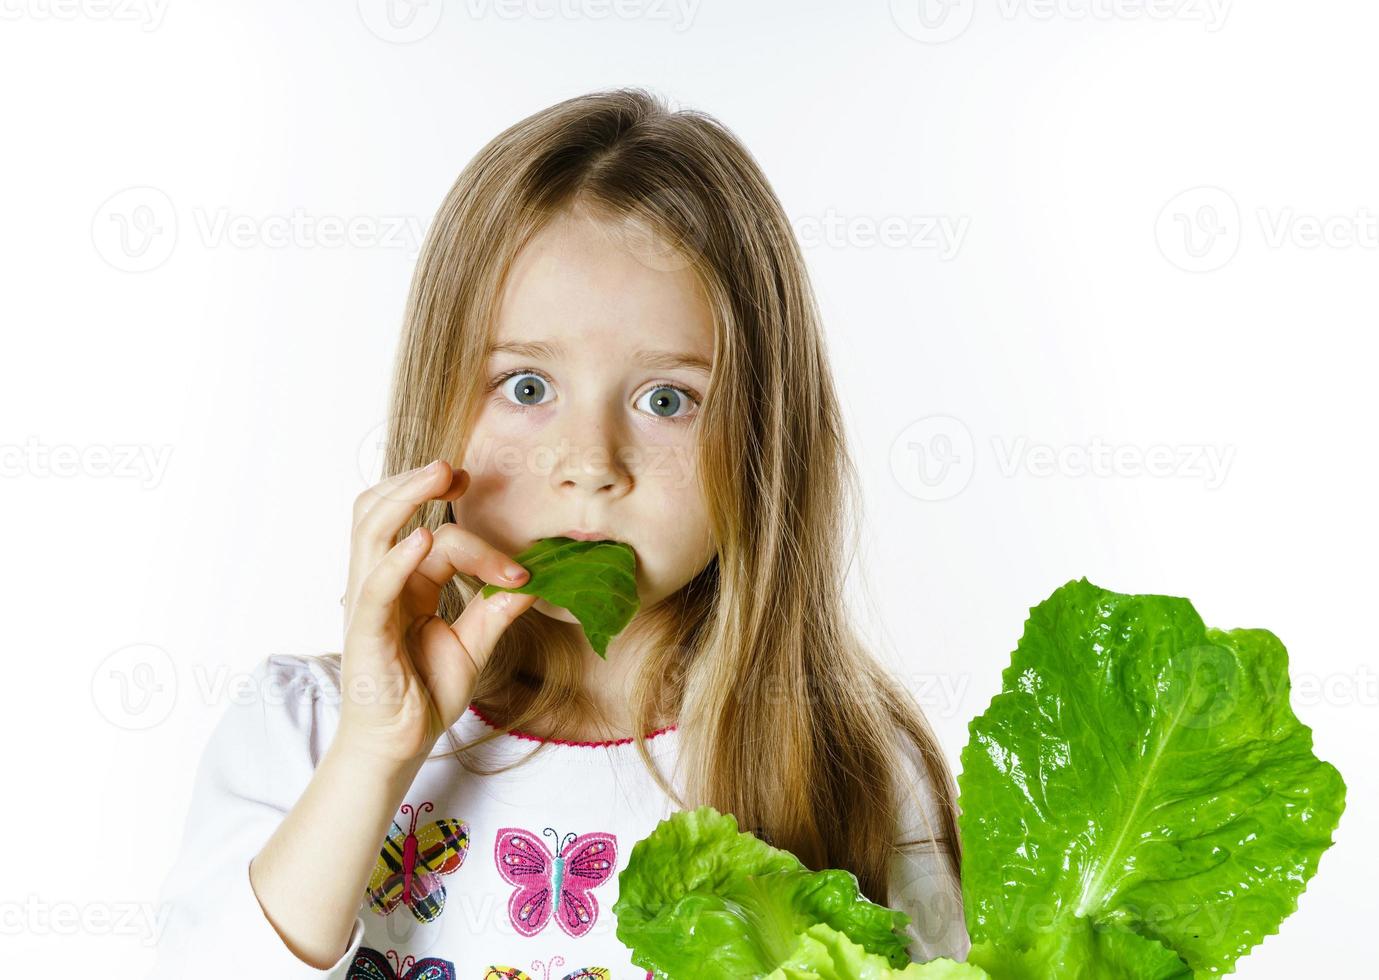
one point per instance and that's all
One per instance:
(363, 762)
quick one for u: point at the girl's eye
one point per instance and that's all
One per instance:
(665, 401)
(529, 388)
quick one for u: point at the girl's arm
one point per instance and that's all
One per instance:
(407, 676)
(256, 767)
(311, 873)
(242, 907)
(924, 887)
(922, 881)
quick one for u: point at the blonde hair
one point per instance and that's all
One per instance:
(785, 719)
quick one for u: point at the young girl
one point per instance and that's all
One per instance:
(610, 334)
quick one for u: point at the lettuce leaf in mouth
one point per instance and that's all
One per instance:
(1139, 791)
(701, 899)
(595, 580)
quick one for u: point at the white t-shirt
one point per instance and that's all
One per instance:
(562, 823)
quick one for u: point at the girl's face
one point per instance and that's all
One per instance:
(597, 371)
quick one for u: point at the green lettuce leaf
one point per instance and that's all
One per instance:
(700, 899)
(826, 954)
(1139, 800)
(595, 580)
(1081, 951)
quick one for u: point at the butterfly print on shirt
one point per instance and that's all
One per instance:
(409, 868)
(555, 885)
(370, 964)
(512, 973)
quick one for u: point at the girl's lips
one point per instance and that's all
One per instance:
(586, 535)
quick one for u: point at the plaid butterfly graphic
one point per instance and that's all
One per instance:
(370, 964)
(554, 885)
(512, 973)
(410, 866)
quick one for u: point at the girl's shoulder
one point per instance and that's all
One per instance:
(308, 676)
(919, 797)
(286, 710)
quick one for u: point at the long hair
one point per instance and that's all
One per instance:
(785, 718)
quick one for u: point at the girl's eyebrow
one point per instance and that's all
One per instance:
(662, 360)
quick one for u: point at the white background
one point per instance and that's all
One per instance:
(187, 412)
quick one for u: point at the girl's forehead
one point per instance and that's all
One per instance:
(575, 290)
(606, 345)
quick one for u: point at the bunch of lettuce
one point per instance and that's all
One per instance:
(700, 899)
(1138, 803)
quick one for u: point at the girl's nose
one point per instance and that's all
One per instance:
(591, 454)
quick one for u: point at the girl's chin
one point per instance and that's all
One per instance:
(554, 612)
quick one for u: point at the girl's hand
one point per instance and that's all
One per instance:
(407, 675)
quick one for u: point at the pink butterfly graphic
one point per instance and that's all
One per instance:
(554, 884)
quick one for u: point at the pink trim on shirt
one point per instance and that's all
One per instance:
(560, 741)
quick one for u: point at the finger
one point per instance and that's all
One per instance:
(484, 620)
(374, 605)
(380, 514)
(396, 484)
(438, 479)
(449, 658)
(457, 550)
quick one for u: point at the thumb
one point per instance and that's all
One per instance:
(481, 624)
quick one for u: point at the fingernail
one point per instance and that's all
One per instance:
(514, 572)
